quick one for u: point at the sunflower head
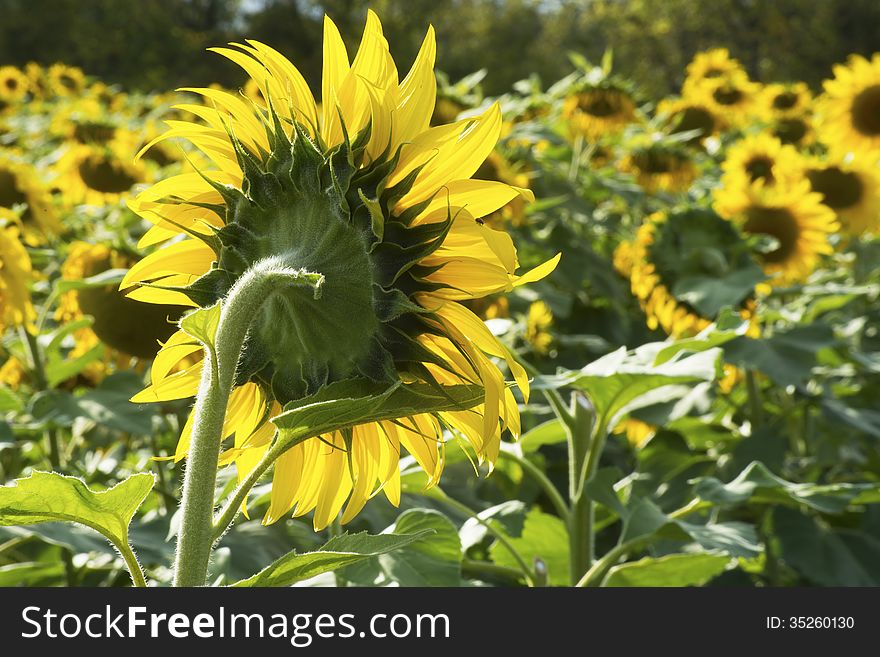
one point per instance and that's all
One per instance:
(790, 217)
(539, 319)
(685, 266)
(850, 110)
(731, 98)
(364, 194)
(65, 80)
(792, 100)
(712, 65)
(680, 115)
(761, 160)
(795, 131)
(594, 110)
(850, 187)
(22, 191)
(660, 166)
(13, 86)
(98, 175)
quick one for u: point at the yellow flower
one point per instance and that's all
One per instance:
(684, 115)
(850, 110)
(84, 121)
(12, 373)
(498, 168)
(384, 207)
(677, 246)
(15, 274)
(711, 65)
(660, 167)
(851, 188)
(95, 175)
(761, 159)
(792, 100)
(21, 190)
(538, 322)
(13, 86)
(65, 80)
(732, 99)
(792, 216)
(130, 330)
(637, 433)
(797, 131)
(597, 111)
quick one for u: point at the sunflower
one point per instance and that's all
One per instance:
(791, 215)
(385, 208)
(796, 131)
(660, 167)
(851, 107)
(128, 328)
(711, 65)
(675, 257)
(732, 98)
(12, 373)
(637, 433)
(21, 189)
(851, 188)
(683, 115)
(84, 121)
(761, 159)
(65, 80)
(96, 175)
(539, 319)
(786, 100)
(13, 86)
(15, 274)
(497, 167)
(599, 110)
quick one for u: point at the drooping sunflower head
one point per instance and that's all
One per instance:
(98, 175)
(685, 266)
(22, 191)
(682, 115)
(761, 160)
(711, 65)
(850, 187)
(365, 194)
(792, 100)
(660, 166)
(594, 110)
(791, 218)
(125, 325)
(850, 110)
(15, 276)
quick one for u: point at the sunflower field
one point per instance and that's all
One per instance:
(385, 329)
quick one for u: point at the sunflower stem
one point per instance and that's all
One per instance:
(583, 457)
(238, 309)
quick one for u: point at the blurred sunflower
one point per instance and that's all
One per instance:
(796, 131)
(851, 107)
(539, 319)
(129, 329)
(852, 189)
(98, 175)
(63, 80)
(791, 216)
(84, 121)
(761, 159)
(637, 433)
(683, 115)
(13, 86)
(792, 100)
(15, 275)
(383, 206)
(12, 373)
(686, 265)
(731, 98)
(711, 65)
(22, 189)
(596, 110)
(660, 166)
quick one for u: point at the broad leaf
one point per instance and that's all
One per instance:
(756, 484)
(671, 570)
(543, 537)
(434, 560)
(786, 357)
(49, 496)
(548, 433)
(336, 553)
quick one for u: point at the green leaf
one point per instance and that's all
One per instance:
(756, 485)
(786, 357)
(709, 294)
(338, 552)
(671, 570)
(105, 278)
(202, 324)
(548, 433)
(826, 556)
(358, 401)
(49, 496)
(543, 537)
(623, 381)
(9, 401)
(107, 407)
(32, 573)
(431, 561)
(600, 488)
